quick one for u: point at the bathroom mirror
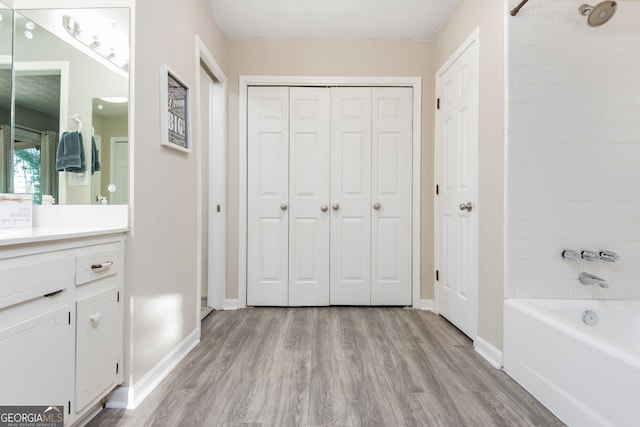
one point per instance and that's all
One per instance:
(6, 41)
(71, 92)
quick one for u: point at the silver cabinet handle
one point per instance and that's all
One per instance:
(377, 206)
(284, 206)
(466, 207)
(324, 208)
(101, 266)
(335, 207)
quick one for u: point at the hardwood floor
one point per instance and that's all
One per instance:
(334, 366)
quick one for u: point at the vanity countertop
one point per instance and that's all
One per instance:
(17, 236)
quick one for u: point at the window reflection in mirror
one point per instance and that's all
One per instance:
(65, 59)
(6, 34)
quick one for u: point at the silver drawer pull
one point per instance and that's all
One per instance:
(102, 266)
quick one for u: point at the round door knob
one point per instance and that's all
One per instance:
(284, 206)
(324, 208)
(377, 206)
(466, 207)
(335, 207)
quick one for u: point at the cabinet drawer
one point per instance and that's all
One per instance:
(97, 262)
(29, 277)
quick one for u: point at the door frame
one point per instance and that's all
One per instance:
(216, 261)
(245, 81)
(473, 38)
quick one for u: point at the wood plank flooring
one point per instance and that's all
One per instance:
(333, 366)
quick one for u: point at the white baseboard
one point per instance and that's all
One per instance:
(426, 305)
(131, 397)
(490, 353)
(231, 304)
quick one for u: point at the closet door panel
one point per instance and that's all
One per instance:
(309, 217)
(268, 196)
(391, 196)
(350, 196)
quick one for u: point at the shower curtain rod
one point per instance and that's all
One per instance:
(515, 11)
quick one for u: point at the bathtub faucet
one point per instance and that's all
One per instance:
(590, 279)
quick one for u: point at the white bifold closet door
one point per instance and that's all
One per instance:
(371, 131)
(268, 196)
(309, 149)
(329, 200)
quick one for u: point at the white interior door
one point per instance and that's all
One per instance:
(456, 176)
(350, 196)
(391, 191)
(119, 170)
(268, 196)
(309, 196)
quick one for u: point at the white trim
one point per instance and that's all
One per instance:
(216, 240)
(131, 397)
(231, 304)
(246, 81)
(488, 351)
(426, 305)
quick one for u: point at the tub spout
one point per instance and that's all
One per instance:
(590, 279)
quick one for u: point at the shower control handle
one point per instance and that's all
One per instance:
(466, 207)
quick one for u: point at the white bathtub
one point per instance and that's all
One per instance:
(586, 375)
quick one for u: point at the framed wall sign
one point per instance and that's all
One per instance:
(174, 111)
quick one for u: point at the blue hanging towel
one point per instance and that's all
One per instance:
(70, 155)
(95, 157)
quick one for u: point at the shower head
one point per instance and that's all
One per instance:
(598, 14)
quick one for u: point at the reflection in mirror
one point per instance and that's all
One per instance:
(65, 59)
(110, 125)
(6, 37)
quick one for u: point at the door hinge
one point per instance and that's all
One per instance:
(69, 407)
(437, 189)
(438, 103)
(117, 368)
(118, 297)
(217, 208)
(69, 317)
(437, 276)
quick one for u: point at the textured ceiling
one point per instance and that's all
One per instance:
(332, 19)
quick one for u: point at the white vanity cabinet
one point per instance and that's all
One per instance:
(98, 323)
(61, 322)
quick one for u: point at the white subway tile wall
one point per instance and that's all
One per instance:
(573, 150)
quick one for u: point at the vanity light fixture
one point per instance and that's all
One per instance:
(72, 25)
(28, 31)
(115, 99)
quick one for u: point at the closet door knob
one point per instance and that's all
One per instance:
(466, 207)
(377, 206)
(324, 208)
(284, 206)
(335, 207)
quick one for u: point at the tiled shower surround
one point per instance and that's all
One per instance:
(573, 149)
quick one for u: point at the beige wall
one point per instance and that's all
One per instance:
(331, 58)
(161, 269)
(488, 16)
